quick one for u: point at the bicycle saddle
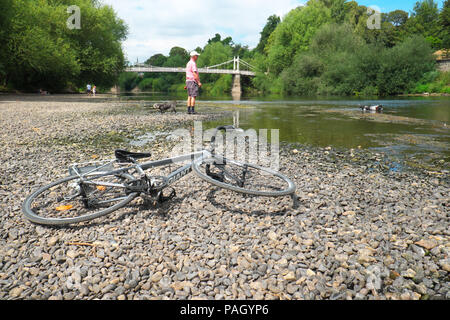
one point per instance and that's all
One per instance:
(125, 156)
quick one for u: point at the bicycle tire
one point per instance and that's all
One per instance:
(289, 190)
(35, 218)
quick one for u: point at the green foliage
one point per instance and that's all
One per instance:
(397, 17)
(216, 51)
(128, 81)
(342, 63)
(444, 21)
(146, 84)
(39, 50)
(294, 34)
(326, 48)
(433, 82)
(220, 87)
(271, 25)
(402, 66)
(157, 60)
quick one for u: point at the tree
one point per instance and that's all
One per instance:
(444, 21)
(294, 34)
(179, 52)
(397, 17)
(5, 25)
(339, 11)
(272, 23)
(426, 11)
(424, 21)
(44, 53)
(157, 60)
(214, 53)
(402, 66)
(216, 38)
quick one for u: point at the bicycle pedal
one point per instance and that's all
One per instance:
(162, 198)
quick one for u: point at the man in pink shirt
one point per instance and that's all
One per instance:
(192, 81)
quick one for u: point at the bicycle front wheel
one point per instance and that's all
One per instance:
(243, 177)
(69, 201)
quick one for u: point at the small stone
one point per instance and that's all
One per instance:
(445, 264)
(146, 286)
(310, 273)
(72, 254)
(52, 241)
(409, 274)
(405, 296)
(388, 261)
(157, 277)
(394, 275)
(290, 276)
(234, 249)
(272, 236)
(291, 288)
(16, 292)
(427, 244)
(46, 256)
(341, 257)
(282, 262)
(256, 285)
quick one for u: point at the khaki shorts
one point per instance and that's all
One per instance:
(192, 88)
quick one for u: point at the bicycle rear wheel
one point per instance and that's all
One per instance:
(243, 177)
(69, 201)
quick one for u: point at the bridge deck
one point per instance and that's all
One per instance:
(183, 70)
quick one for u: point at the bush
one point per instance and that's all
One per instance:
(146, 84)
(341, 63)
(303, 77)
(433, 82)
(128, 81)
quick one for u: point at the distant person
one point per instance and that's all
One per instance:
(94, 90)
(192, 81)
(88, 89)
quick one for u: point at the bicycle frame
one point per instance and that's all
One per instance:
(142, 167)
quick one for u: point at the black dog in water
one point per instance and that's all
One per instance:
(166, 106)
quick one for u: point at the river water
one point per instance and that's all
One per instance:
(415, 129)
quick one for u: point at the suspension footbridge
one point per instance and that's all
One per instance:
(240, 67)
(236, 67)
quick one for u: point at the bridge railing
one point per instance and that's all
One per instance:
(142, 69)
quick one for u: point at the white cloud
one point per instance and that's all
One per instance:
(155, 26)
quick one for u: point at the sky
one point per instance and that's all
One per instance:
(155, 26)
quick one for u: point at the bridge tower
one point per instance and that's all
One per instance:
(236, 90)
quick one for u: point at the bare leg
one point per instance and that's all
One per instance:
(193, 104)
(189, 102)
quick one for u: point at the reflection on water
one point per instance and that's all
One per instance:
(413, 128)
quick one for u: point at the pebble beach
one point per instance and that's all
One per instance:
(357, 230)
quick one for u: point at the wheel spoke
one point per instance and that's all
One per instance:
(71, 200)
(244, 178)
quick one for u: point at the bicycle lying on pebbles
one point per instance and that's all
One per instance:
(94, 189)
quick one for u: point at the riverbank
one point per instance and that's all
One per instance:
(360, 230)
(425, 94)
